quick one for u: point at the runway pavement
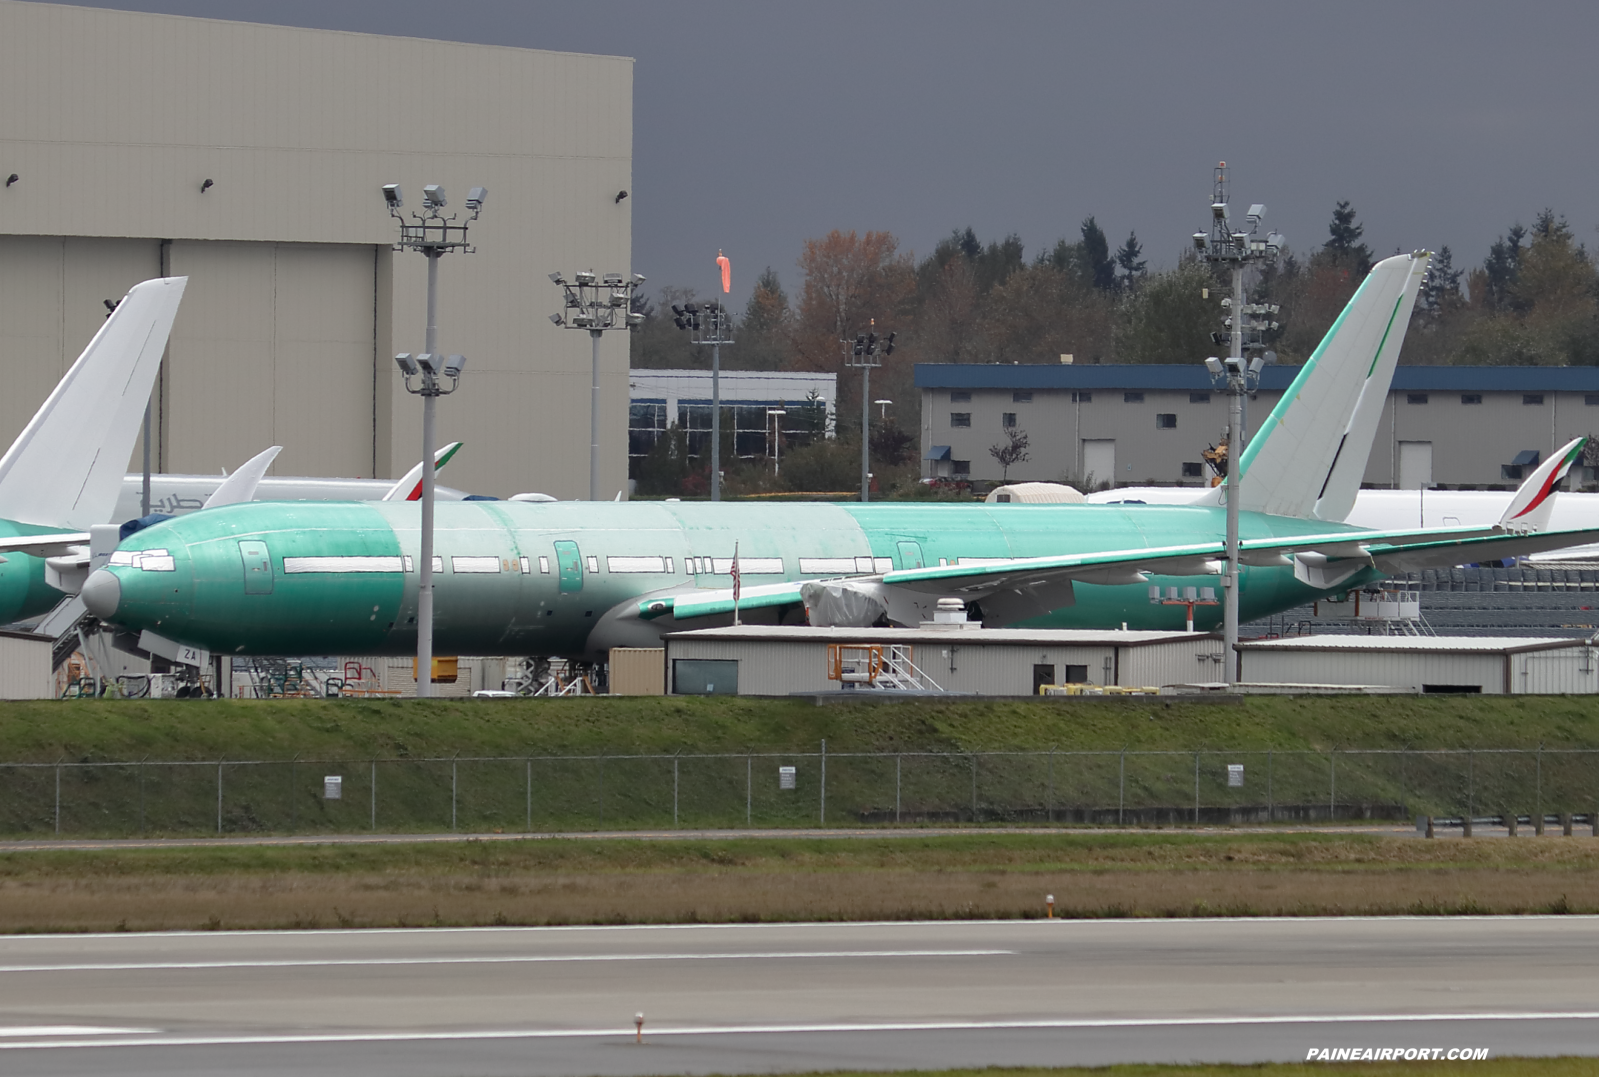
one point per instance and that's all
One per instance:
(787, 998)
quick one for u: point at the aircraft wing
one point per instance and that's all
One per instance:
(1029, 586)
(53, 545)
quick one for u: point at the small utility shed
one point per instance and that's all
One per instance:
(26, 668)
(1493, 665)
(778, 661)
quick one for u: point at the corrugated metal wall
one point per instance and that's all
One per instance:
(25, 671)
(1395, 669)
(779, 667)
(1569, 670)
(296, 305)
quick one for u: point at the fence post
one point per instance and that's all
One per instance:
(974, 787)
(1196, 788)
(294, 813)
(602, 791)
(1539, 788)
(824, 782)
(1050, 807)
(141, 794)
(749, 790)
(1471, 782)
(219, 796)
(1404, 801)
(374, 792)
(529, 828)
(898, 759)
(454, 774)
(58, 800)
(1271, 812)
(1332, 784)
(1121, 788)
(674, 790)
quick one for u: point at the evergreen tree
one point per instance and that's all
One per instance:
(1345, 244)
(1130, 259)
(1502, 267)
(1097, 266)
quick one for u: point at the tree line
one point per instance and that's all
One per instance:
(1533, 299)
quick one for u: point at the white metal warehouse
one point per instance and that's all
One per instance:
(776, 661)
(251, 158)
(1489, 665)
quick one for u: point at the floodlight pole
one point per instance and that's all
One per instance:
(595, 303)
(866, 352)
(434, 234)
(716, 404)
(1236, 250)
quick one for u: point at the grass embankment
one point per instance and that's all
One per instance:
(340, 729)
(979, 876)
(404, 793)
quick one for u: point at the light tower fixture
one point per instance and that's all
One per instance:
(434, 234)
(1237, 376)
(710, 323)
(867, 351)
(596, 303)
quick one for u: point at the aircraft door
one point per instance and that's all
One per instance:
(569, 562)
(910, 555)
(257, 567)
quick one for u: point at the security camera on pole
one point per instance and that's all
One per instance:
(596, 303)
(714, 326)
(1236, 250)
(866, 352)
(432, 233)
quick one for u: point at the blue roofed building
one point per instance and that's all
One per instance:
(1149, 424)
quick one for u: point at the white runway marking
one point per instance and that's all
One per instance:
(494, 959)
(626, 1034)
(71, 1030)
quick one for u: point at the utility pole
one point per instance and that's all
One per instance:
(1237, 250)
(866, 352)
(434, 234)
(595, 304)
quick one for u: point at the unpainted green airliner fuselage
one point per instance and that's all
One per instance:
(514, 578)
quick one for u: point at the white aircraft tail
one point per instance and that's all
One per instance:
(1534, 502)
(1309, 455)
(409, 488)
(65, 468)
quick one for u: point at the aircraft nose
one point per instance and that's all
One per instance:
(102, 594)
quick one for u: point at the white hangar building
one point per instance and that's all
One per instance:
(250, 159)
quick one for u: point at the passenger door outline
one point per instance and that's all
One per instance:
(257, 567)
(569, 563)
(910, 554)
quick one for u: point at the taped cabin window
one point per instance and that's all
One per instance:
(544, 566)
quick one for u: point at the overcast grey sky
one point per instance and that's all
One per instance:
(757, 125)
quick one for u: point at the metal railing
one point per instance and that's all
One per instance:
(542, 793)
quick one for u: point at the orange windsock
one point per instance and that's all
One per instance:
(727, 271)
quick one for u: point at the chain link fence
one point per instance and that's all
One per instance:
(796, 789)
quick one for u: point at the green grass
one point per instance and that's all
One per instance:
(84, 730)
(756, 880)
(419, 788)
